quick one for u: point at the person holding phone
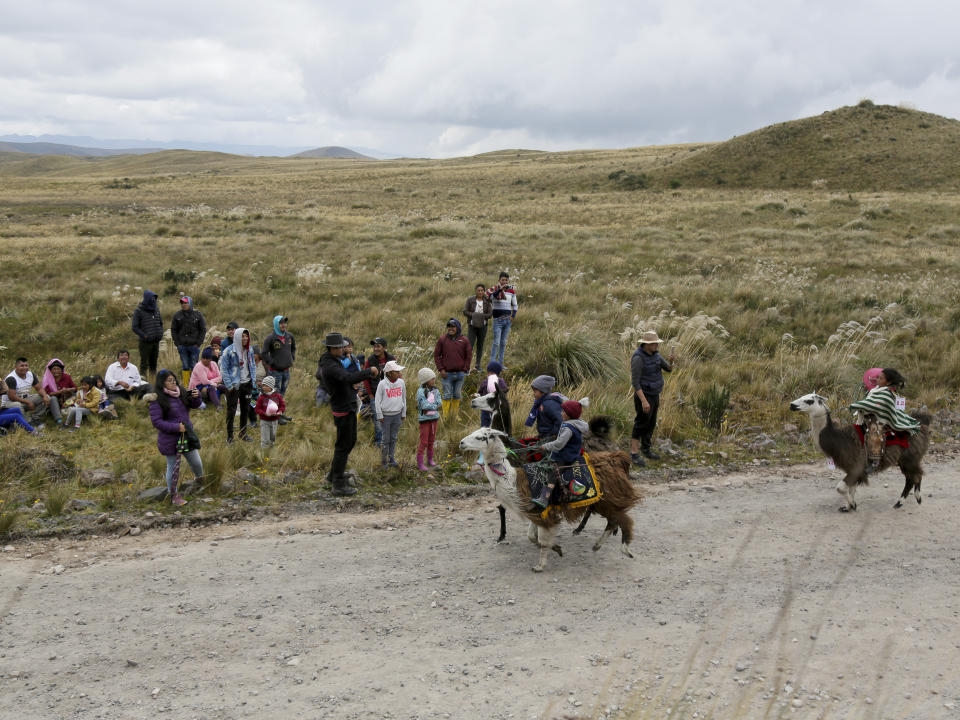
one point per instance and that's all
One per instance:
(170, 414)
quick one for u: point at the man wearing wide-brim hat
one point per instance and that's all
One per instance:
(646, 374)
(339, 383)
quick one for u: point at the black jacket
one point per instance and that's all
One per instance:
(339, 382)
(147, 322)
(188, 328)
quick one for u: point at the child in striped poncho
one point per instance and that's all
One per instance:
(881, 402)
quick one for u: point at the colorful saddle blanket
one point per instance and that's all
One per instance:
(576, 484)
(891, 437)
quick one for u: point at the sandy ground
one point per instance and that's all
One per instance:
(749, 597)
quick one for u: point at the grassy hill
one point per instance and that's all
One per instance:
(865, 147)
(332, 151)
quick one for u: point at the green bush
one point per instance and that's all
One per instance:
(712, 406)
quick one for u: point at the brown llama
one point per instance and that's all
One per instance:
(511, 488)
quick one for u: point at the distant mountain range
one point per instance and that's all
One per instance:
(84, 146)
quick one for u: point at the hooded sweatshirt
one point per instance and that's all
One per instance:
(453, 353)
(566, 448)
(147, 322)
(235, 363)
(188, 328)
(279, 349)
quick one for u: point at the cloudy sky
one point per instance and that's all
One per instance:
(443, 78)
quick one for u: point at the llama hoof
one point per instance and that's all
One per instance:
(844, 508)
(625, 549)
(919, 499)
(596, 546)
(577, 531)
(558, 550)
(537, 568)
(898, 504)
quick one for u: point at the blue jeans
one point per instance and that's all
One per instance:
(173, 468)
(189, 356)
(452, 385)
(501, 331)
(283, 379)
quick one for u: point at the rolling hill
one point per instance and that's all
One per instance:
(332, 151)
(864, 147)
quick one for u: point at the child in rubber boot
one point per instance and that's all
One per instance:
(567, 447)
(429, 403)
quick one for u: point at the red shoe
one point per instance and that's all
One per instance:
(178, 500)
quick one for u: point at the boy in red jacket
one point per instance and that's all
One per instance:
(269, 408)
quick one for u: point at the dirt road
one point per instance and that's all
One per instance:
(750, 596)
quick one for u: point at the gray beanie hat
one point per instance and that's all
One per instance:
(543, 383)
(425, 374)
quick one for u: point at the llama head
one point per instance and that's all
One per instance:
(812, 404)
(484, 402)
(485, 440)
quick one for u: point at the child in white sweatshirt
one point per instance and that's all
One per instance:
(390, 404)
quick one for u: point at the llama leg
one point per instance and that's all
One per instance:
(532, 533)
(545, 539)
(503, 522)
(847, 490)
(916, 486)
(907, 487)
(583, 522)
(607, 532)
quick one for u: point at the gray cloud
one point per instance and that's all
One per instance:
(442, 78)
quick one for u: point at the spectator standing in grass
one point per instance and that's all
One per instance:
(24, 392)
(646, 375)
(270, 407)
(170, 415)
(452, 355)
(279, 351)
(478, 310)
(123, 379)
(239, 372)
(503, 296)
(216, 344)
(428, 414)
(206, 378)
(340, 385)
(86, 405)
(225, 342)
(188, 330)
(147, 325)
(60, 388)
(377, 359)
(390, 404)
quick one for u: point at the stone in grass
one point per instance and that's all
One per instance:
(97, 478)
(156, 493)
(78, 504)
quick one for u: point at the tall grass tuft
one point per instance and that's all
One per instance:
(577, 356)
(712, 406)
(7, 521)
(56, 501)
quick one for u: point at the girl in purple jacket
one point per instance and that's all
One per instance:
(170, 415)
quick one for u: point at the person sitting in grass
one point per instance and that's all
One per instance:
(60, 388)
(123, 379)
(207, 379)
(13, 417)
(18, 395)
(87, 404)
(106, 409)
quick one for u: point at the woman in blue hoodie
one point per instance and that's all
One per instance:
(148, 326)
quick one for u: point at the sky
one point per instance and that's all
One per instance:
(445, 78)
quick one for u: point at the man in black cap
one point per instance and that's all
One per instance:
(231, 329)
(339, 383)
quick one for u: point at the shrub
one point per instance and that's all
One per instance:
(578, 356)
(7, 521)
(56, 501)
(712, 406)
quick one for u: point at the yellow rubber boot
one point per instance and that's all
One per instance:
(445, 407)
(185, 377)
(455, 407)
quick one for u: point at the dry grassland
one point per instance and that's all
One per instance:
(767, 293)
